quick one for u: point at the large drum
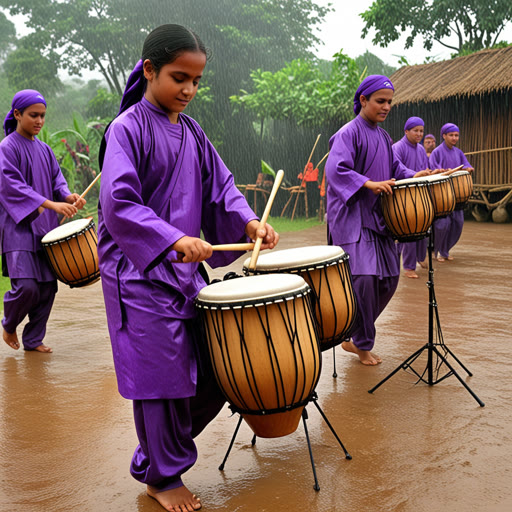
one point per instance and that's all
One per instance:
(408, 212)
(72, 252)
(264, 349)
(442, 194)
(326, 269)
(463, 188)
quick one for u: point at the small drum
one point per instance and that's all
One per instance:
(463, 188)
(326, 269)
(263, 347)
(72, 252)
(442, 194)
(408, 212)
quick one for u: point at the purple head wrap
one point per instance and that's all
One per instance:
(135, 87)
(429, 136)
(368, 86)
(449, 128)
(412, 122)
(21, 101)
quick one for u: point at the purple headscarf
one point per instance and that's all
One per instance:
(429, 136)
(449, 128)
(21, 101)
(135, 87)
(368, 86)
(412, 122)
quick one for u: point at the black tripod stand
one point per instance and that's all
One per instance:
(313, 398)
(434, 347)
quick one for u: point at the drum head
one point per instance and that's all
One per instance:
(410, 181)
(66, 230)
(437, 178)
(460, 173)
(297, 258)
(252, 289)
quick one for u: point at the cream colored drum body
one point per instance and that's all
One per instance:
(72, 252)
(327, 271)
(263, 347)
(462, 182)
(442, 194)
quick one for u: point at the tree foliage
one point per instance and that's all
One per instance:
(475, 24)
(7, 35)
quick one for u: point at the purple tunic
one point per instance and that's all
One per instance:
(448, 229)
(360, 152)
(29, 176)
(160, 182)
(414, 157)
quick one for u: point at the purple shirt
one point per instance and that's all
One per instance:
(444, 158)
(29, 176)
(359, 152)
(160, 182)
(411, 155)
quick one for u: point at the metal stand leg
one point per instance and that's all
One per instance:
(334, 374)
(221, 467)
(432, 346)
(304, 418)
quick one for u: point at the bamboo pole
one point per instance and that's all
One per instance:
(84, 193)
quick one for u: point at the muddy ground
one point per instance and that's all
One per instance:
(66, 436)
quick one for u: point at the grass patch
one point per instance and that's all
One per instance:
(285, 225)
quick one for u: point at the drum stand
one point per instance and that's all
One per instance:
(432, 347)
(314, 399)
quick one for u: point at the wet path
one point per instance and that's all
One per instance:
(66, 436)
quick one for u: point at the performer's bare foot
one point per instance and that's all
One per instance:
(42, 348)
(449, 258)
(411, 273)
(365, 356)
(441, 259)
(11, 339)
(424, 263)
(376, 357)
(175, 500)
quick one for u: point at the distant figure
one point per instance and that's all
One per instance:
(429, 143)
(309, 179)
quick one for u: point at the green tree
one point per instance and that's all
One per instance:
(476, 24)
(372, 65)
(7, 35)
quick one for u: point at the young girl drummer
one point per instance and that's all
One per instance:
(32, 192)
(361, 165)
(162, 184)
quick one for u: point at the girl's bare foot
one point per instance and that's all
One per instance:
(424, 263)
(175, 500)
(365, 356)
(411, 273)
(11, 340)
(42, 348)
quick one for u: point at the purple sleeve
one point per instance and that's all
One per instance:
(59, 185)
(434, 160)
(399, 171)
(137, 230)
(18, 198)
(464, 160)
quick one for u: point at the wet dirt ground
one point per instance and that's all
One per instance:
(66, 436)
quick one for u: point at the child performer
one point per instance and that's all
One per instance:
(162, 184)
(361, 165)
(447, 156)
(32, 192)
(429, 143)
(412, 154)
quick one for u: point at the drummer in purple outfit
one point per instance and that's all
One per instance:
(162, 184)
(447, 230)
(412, 154)
(32, 192)
(429, 143)
(361, 165)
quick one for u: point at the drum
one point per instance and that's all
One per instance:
(263, 347)
(72, 252)
(462, 182)
(408, 212)
(326, 269)
(442, 194)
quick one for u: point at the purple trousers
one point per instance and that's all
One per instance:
(413, 252)
(32, 298)
(447, 232)
(166, 430)
(373, 295)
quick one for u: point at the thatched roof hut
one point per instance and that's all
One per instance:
(474, 92)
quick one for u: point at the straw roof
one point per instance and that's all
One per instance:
(480, 73)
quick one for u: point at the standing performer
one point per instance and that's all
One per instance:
(447, 156)
(162, 184)
(412, 154)
(361, 165)
(429, 143)
(32, 192)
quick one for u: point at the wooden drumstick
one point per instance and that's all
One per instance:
(85, 192)
(264, 217)
(451, 171)
(234, 247)
(324, 157)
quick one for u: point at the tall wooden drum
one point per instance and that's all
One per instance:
(442, 194)
(463, 188)
(327, 271)
(264, 349)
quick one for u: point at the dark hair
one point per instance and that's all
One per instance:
(167, 42)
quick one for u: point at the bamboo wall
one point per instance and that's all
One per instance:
(485, 122)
